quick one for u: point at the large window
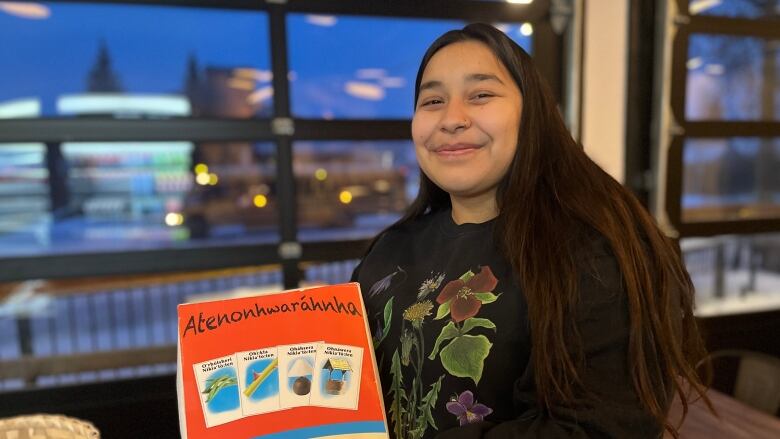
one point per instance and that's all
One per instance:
(725, 103)
(341, 68)
(78, 59)
(732, 78)
(722, 188)
(119, 196)
(731, 179)
(24, 196)
(736, 8)
(204, 129)
(352, 189)
(734, 274)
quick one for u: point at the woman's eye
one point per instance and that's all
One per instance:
(482, 96)
(429, 102)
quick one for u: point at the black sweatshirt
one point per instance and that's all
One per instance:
(453, 343)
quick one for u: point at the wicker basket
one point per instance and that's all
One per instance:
(46, 427)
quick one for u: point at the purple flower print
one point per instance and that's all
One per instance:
(467, 410)
(383, 284)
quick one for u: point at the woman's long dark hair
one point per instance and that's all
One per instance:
(553, 190)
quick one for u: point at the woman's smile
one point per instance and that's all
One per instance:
(456, 150)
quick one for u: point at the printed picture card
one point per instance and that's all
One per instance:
(217, 381)
(296, 371)
(258, 377)
(337, 377)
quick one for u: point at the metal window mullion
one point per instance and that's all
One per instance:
(469, 10)
(738, 227)
(289, 248)
(545, 42)
(212, 4)
(716, 129)
(639, 104)
(59, 191)
(389, 129)
(135, 262)
(743, 27)
(106, 130)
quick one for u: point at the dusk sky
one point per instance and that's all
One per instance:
(344, 66)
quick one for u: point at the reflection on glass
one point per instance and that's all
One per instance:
(734, 274)
(732, 78)
(352, 189)
(24, 195)
(122, 192)
(234, 195)
(363, 68)
(328, 272)
(135, 195)
(731, 179)
(78, 59)
(736, 8)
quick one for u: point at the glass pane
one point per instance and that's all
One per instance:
(139, 195)
(328, 273)
(731, 179)
(734, 274)
(75, 59)
(88, 315)
(352, 189)
(732, 78)
(736, 8)
(24, 195)
(241, 207)
(343, 67)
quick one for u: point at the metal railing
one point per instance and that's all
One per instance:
(123, 331)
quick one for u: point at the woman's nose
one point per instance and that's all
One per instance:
(455, 117)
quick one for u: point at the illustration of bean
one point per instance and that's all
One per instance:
(214, 385)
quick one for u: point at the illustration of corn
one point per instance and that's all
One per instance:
(258, 378)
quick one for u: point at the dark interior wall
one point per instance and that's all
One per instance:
(126, 409)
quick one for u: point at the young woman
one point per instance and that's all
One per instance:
(525, 293)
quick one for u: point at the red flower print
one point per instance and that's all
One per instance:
(463, 304)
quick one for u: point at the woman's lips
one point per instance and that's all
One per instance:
(455, 150)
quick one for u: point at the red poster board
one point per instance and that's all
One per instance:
(295, 364)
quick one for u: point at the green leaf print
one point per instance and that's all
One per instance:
(443, 310)
(467, 276)
(476, 322)
(398, 394)
(465, 356)
(417, 433)
(486, 297)
(461, 354)
(428, 402)
(448, 332)
(408, 342)
(388, 315)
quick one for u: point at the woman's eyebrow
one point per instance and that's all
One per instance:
(430, 84)
(473, 77)
(478, 77)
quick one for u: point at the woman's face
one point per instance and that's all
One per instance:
(467, 120)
